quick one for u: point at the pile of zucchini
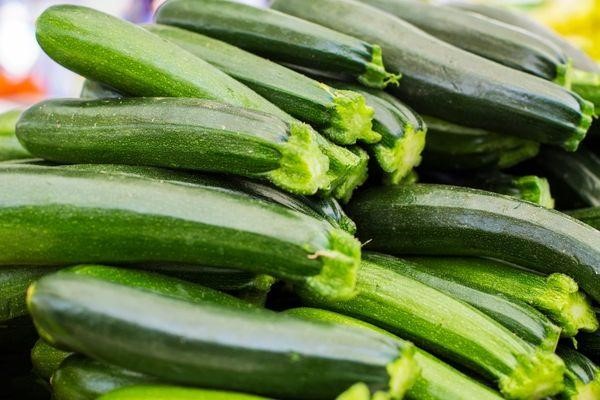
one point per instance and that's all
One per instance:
(324, 199)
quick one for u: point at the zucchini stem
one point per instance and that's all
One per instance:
(376, 76)
(355, 177)
(399, 160)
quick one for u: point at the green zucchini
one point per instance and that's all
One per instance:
(497, 41)
(341, 115)
(179, 133)
(145, 392)
(83, 216)
(582, 380)
(470, 90)
(530, 187)
(14, 282)
(10, 148)
(280, 37)
(590, 216)
(438, 380)
(448, 327)
(46, 359)
(450, 220)
(214, 345)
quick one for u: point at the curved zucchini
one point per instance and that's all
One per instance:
(582, 380)
(341, 115)
(590, 216)
(46, 359)
(438, 380)
(450, 220)
(556, 295)
(10, 148)
(280, 37)
(14, 282)
(213, 345)
(145, 392)
(471, 90)
(449, 328)
(83, 216)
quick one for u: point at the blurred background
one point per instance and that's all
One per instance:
(27, 75)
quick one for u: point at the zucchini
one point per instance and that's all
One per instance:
(471, 90)
(530, 187)
(582, 380)
(14, 282)
(46, 359)
(83, 216)
(10, 148)
(497, 41)
(341, 115)
(144, 392)
(590, 216)
(214, 345)
(179, 133)
(449, 220)
(280, 37)
(438, 380)
(448, 327)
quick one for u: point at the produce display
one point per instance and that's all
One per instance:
(317, 200)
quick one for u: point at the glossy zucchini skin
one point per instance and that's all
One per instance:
(450, 220)
(86, 216)
(213, 345)
(590, 216)
(342, 116)
(582, 380)
(449, 328)
(497, 41)
(143, 392)
(10, 148)
(14, 282)
(280, 37)
(46, 359)
(438, 380)
(472, 90)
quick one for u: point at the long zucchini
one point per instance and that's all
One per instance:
(438, 380)
(46, 359)
(178, 133)
(582, 380)
(83, 216)
(14, 282)
(590, 216)
(470, 90)
(280, 37)
(10, 148)
(213, 345)
(341, 115)
(450, 220)
(449, 328)
(556, 295)
(145, 392)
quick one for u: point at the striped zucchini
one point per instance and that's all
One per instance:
(582, 380)
(471, 90)
(83, 216)
(341, 115)
(10, 148)
(450, 220)
(449, 328)
(590, 216)
(280, 37)
(180, 133)
(145, 392)
(46, 359)
(214, 345)
(14, 282)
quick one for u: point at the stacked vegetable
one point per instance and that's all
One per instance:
(177, 233)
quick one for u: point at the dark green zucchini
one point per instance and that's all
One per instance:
(214, 345)
(280, 37)
(10, 148)
(84, 216)
(145, 392)
(438, 380)
(450, 220)
(341, 115)
(470, 89)
(14, 282)
(449, 328)
(46, 359)
(497, 41)
(590, 216)
(582, 380)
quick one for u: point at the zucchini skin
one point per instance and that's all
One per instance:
(280, 37)
(438, 380)
(590, 216)
(174, 393)
(90, 217)
(419, 313)
(342, 116)
(46, 359)
(495, 96)
(505, 44)
(178, 133)
(582, 380)
(14, 282)
(10, 148)
(196, 342)
(449, 220)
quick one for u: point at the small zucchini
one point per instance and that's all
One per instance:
(438, 380)
(10, 148)
(455, 221)
(590, 216)
(146, 392)
(341, 115)
(582, 380)
(84, 216)
(46, 359)
(214, 345)
(14, 282)
(450, 328)
(280, 37)
(470, 90)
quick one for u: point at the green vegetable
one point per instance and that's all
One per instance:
(582, 381)
(85, 216)
(590, 216)
(13, 285)
(450, 83)
(448, 327)
(179, 133)
(341, 115)
(214, 345)
(277, 36)
(438, 380)
(173, 393)
(10, 148)
(46, 359)
(423, 219)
